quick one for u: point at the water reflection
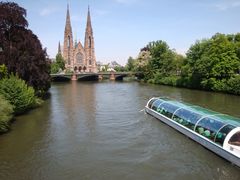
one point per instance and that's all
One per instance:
(95, 131)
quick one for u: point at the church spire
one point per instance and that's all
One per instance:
(68, 26)
(89, 45)
(68, 42)
(89, 24)
(59, 48)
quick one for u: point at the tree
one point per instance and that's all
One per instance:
(18, 93)
(161, 59)
(54, 68)
(60, 61)
(22, 51)
(212, 62)
(142, 64)
(130, 64)
(6, 114)
(3, 71)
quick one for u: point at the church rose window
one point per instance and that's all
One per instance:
(79, 58)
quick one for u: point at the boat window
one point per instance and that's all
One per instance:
(151, 102)
(167, 109)
(221, 135)
(156, 104)
(235, 139)
(208, 127)
(186, 118)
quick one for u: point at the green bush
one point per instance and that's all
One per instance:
(233, 85)
(3, 71)
(16, 91)
(6, 112)
(54, 68)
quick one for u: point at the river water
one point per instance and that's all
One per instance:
(95, 131)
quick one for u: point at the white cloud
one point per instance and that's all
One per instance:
(224, 5)
(47, 11)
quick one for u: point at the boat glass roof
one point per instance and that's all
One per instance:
(205, 113)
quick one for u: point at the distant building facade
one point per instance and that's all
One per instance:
(78, 57)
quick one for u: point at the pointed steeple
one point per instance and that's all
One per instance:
(68, 26)
(59, 48)
(89, 24)
(68, 42)
(89, 46)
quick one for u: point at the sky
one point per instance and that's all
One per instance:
(122, 27)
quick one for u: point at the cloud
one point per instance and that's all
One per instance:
(224, 5)
(47, 11)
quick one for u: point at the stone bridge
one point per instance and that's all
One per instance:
(118, 76)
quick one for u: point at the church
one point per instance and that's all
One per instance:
(76, 56)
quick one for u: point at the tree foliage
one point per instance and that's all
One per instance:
(18, 93)
(22, 51)
(6, 114)
(210, 64)
(156, 60)
(3, 71)
(130, 64)
(212, 61)
(58, 65)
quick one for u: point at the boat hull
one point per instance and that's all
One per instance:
(196, 137)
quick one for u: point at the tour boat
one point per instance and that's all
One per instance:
(218, 132)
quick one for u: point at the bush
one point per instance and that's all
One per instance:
(233, 85)
(6, 111)
(3, 71)
(17, 92)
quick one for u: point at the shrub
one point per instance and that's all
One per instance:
(3, 71)
(17, 92)
(233, 85)
(6, 111)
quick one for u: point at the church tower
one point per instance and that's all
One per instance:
(59, 48)
(89, 46)
(68, 42)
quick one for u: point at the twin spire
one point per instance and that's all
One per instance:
(68, 26)
(76, 55)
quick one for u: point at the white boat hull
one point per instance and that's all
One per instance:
(196, 137)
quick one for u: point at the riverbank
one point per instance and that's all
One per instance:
(228, 86)
(16, 98)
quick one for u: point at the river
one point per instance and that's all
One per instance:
(90, 130)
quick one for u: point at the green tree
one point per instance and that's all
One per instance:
(18, 93)
(130, 64)
(54, 68)
(162, 57)
(3, 71)
(6, 114)
(60, 61)
(211, 62)
(119, 69)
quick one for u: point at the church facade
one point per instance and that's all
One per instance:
(76, 56)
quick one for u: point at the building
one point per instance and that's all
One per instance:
(78, 57)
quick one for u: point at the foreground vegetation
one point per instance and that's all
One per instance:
(210, 64)
(24, 69)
